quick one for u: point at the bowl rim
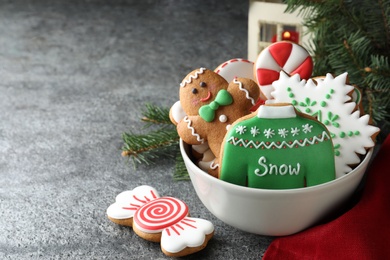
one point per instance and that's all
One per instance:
(244, 189)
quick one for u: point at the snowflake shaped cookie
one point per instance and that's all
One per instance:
(161, 219)
(329, 100)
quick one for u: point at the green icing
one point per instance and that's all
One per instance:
(207, 112)
(278, 153)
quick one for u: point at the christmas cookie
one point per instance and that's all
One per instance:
(277, 148)
(161, 219)
(329, 100)
(239, 68)
(236, 68)
(281, 56)
(211, 105)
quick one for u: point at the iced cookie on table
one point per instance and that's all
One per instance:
(211, 105)
(331, 100)
(277, 148)
(161, 219)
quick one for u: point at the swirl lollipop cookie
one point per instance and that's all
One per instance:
(161, 219)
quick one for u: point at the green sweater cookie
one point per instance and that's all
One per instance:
(278, 149)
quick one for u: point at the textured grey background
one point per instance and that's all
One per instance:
(74, 75)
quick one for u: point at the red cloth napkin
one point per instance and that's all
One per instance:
(361, 233)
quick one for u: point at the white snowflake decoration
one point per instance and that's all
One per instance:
(307, 128)
(255, 131)
(328, 99)
(269, 133)
(240, 129)
(283, 132)
(295, 131)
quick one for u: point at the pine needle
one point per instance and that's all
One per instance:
(154, 115)
(151, 147)
(181, 173)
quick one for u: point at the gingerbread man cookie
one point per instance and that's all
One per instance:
(161, 219)
(211, 105)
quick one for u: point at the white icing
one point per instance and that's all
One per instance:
(160, 213)
(191, 232)
(236, 68)
(214, 165)
(255, 131)
(278, 145)
(192, 77)
(223, 118)
(265, 60)
(269, 133)
(282, 169)
(297, 56)
(240, 129)
(276, 111)
(177, 112)
(245, 91)
(188, 121)
(179, 231)
(128, 202)
(330, 102)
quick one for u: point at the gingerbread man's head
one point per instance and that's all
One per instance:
(199, 88)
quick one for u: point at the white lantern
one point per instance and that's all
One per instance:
(268, 23)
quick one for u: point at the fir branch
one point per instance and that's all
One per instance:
(156, 145)
(156, 115)
(353, 37)
(149, 148)
(180, 173)
(385, 18)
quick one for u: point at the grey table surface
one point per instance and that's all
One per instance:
(75, 75)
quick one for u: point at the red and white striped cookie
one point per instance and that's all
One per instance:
(161, 219)
(236, 68)
(281, 56)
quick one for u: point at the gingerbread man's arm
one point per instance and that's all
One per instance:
(189, 132)
(245, 92)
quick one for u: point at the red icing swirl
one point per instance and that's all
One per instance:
(160, 213)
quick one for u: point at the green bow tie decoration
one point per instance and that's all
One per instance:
(223, 98)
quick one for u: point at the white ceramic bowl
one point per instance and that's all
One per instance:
(271, 212)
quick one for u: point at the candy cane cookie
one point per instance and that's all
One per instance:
(281, 56)
(161, 219)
